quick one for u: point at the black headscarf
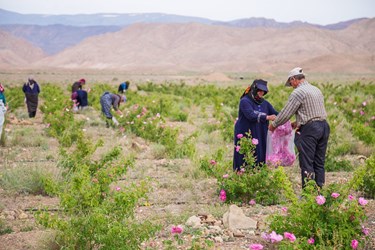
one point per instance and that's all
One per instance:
(252, 90)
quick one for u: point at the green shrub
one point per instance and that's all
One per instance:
(214, 166)
(333, 165)
(226, 117)
(186, 148)
(364, 178)
(59, 117)
(264, 184)
(94, 213)
(364, 133)
(143, 123)
(15, 98)
(331, 216)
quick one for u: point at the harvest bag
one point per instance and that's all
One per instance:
(280, 146)
(2, 118)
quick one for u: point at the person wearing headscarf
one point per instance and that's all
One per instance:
(123, 87)
(79, 96)
(3, 108)
(254, 115)
(31, 90)
(109, 100)
(78, 85)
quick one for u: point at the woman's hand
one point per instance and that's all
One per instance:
(271, 117)
(271, 127)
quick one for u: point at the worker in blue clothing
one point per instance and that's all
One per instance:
(123, 87)
(254, 115)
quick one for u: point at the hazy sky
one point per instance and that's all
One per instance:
(312, 11)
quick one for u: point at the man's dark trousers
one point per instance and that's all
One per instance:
(311, 141)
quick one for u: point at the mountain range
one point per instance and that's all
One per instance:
(170, 43)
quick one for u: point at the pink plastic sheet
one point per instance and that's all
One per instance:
(280, 146)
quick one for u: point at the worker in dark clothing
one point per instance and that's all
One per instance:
(31, 90)
(253, 115)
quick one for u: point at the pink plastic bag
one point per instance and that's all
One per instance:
(280, 146)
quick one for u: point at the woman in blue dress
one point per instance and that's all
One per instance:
(254, 114)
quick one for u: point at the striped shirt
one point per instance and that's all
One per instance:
(306, 102)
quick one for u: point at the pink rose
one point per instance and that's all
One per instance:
(239, 136)
(212, 162)
(177, 229)
(291, 237)
(255, 141)
(256, 247)
(365, 230)
(320, 199)
(335, 195)
(311, 241)
(354, 244)
(223, 195)
(362, 201)
(274, 237)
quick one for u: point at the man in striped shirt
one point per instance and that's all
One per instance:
(312, 129)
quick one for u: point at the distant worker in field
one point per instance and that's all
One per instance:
(31, 90)
(109, 100)
(123, 87)
(312, 130)
(254, 115)
(3, 108)
(79, 95)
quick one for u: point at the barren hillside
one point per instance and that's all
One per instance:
(200, 47)
(16, 52)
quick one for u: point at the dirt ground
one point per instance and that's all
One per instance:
(17, 77)
(176, 196)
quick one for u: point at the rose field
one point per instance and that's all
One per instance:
(163, 178)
